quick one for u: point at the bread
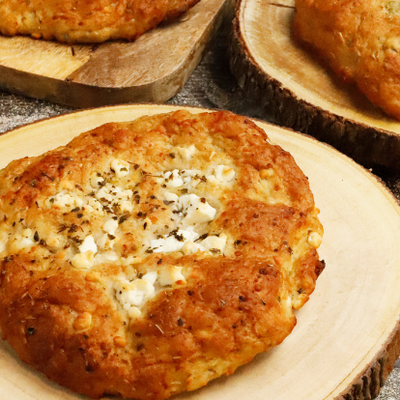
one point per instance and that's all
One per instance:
(87, 21)
(147, 258)
(360, 41)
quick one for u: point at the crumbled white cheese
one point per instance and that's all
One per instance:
(53, 241)
(150, 277)
(65, 200)
(172, 178)
(96, 180)
(166, 245)
(134, 293)
(188, 178)
(213, 180)
(167, 276)
(88, 245)
(134, 312)
(105, 242)
(110, 226)
(113, 194)
(172, 200)
(125, 206)
(120, 168)
(25, 239)
(214, 242)
(197, 209)
(314, 239)
(169, 196)
(106, 257)
(174, 242)
(83, 260)
(224, 173)
(94, 204)
(190, 247)
(187, 152)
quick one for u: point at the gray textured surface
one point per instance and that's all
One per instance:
(210, 86)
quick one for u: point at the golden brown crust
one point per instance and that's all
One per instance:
(231, 303)
(359, 39)
(87, 21)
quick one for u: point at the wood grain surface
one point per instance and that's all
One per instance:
(150, 69)
(347, 337)
(301, 92)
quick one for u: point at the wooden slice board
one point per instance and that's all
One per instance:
(151, 69)
(347, 337)
(300, 92)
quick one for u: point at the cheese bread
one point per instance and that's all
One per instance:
(72, 21)
(360, 41)
(147, 258)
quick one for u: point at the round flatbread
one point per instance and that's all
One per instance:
(147, 258)
(360, 41)
(88, 21)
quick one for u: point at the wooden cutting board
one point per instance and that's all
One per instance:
(298, 91)
(347, 337)
(151, 69)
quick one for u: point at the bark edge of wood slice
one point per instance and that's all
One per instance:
(348, 335)
(153, 68)
(297, 90)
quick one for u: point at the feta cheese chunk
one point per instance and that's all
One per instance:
(88, 245)
(134, 293)
(187, 152)
(150, 277)
(96, 180)
(120, 168)
(172, 178)
(24, 240)
(188, 178)
(197, 209)
(224, 173)
(106, 257)
(65, 200)
(214, 243)
(83, 260)
(111, 226)
(167, 276)
(134, 312)
(174, 242)
(314, 239)
(113, 194)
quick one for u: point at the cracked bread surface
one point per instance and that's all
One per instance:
(360, 41)
(147, 258)
(90, 21)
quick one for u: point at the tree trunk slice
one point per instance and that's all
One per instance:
(300, 92)
(347, 337)
(151, 69)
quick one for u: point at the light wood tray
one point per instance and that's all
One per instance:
(151, 69)
(347, 336)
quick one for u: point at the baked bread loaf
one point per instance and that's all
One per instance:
(87, 21)
(147, 258)
(360, 41)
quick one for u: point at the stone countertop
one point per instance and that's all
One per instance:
(210, 86)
